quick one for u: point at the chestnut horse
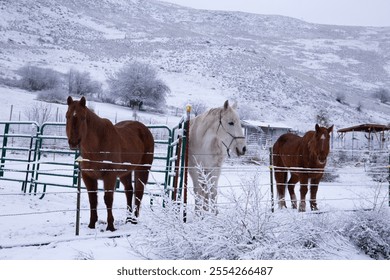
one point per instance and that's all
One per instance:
(110, 151)
(305, 158)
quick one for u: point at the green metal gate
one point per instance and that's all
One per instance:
(44, 158)
(18, 151)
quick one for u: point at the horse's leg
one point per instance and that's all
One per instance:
(198, 189)
(194, 176)
(291, 189)
(313, 194)
(281, 179)
(92, 186)
(304, 182)
(109, 187)
(141, 179)
(126, 181)
(204, 196)
(213, 189)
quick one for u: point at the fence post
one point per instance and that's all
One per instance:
(187, 140)
(271, 178)
(4, 149)
(388, 179)
(78, 160)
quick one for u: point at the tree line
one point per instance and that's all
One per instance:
(135, 85)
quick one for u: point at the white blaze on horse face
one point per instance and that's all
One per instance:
(323, 137)
(74, 114)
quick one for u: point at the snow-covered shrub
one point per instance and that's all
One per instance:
(370, 231)
(139, 82)
(81, 84)
(244, 228)
(56, 95)
(36, 78)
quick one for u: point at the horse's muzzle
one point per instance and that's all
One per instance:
(241, 152)
(74, 145)
(321, 161)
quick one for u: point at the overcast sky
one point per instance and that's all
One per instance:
(339, 12)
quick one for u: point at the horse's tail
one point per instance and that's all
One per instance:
(148, 140)
(279, 171)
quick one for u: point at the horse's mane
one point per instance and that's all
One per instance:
(95, 121)
(213, 112)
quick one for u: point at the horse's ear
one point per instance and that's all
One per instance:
(317, 127)
(69, 100)
(234, 106)
(226, 104)
(83, 101)
(330, 129)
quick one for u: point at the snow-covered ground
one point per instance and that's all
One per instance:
(285, 73)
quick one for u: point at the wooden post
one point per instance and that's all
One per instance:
(10, 113)
(187, 133)
(271, 177)
(78, 160)
(175, 197)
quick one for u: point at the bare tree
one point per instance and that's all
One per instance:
(383, 95)
(40, 112)
(322, 118)
(198, 107)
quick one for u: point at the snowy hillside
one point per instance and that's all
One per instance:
(277, 67)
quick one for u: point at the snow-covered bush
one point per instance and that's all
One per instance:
(370, 231)
(36, 78)
(138, 82)
(244, 228)
(81, 84)
(56, 95)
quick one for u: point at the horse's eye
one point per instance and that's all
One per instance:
(231, 123)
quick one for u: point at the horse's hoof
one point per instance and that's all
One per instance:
(132, 220)
(91, 226)
(110, 228)
(294, 205)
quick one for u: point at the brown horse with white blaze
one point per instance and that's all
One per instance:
(110, 151)
(305, 159)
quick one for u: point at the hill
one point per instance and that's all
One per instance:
(277, 68)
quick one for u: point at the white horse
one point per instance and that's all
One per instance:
(213, 135)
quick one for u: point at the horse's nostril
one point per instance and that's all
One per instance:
(244, 150)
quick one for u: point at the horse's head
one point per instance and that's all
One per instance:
(230, 130)
(76, 123)
(321, 143)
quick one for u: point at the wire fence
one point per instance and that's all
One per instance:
(354, 175)
(241, 169)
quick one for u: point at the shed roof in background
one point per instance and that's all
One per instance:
(365, 128)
